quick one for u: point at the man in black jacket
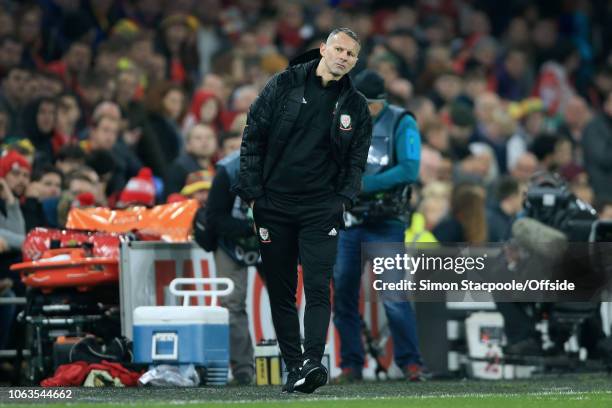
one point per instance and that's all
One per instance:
(200, 146)
(223, 227)
(303, 152)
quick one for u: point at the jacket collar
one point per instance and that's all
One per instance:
(308, 56)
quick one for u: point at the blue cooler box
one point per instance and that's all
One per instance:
(196, 335)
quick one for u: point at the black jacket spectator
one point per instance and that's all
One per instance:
(499, 224)
(178, 171)
(168, 136)
(40, 124)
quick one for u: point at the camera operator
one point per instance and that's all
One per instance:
(393, 163)
(552, 218)
(223, 227)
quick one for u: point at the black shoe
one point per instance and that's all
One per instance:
(526, 347)
(292, 377)
(312, 376)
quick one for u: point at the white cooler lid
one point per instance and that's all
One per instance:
(154, 315)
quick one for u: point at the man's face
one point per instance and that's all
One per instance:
(29, 27)
(515, 203)
(78, 58)
(339, 54)
(516, 64)
(105, 134)
(10, 53)
(127, 83)
(448, 86)
(17, 180)
(69, 109)
(15, 82)
(51, 185)
(202, 142)
(106, 63)
(375, 108)
(231, 145)
(461, 134)
(78, 186)
(142, 50)
(524, 168)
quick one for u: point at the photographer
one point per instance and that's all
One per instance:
(393, 163)
(553, 219)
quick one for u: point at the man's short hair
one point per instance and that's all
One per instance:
(70, 152)
(507, 186)
(199, 126)
(80, 173)
(346, 31)
(101, 161)
(46, 169)
(96, 120)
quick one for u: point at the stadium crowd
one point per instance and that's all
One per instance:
(95, 94)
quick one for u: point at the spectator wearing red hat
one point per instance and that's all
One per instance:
(16, 171)
(140, 190)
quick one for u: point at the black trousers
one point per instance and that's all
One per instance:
(306, 231)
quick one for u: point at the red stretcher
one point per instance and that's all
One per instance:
(68, 267)
(69, 259)
(72, 280)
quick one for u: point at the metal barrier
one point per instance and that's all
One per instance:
(13, 353)
(12, 301)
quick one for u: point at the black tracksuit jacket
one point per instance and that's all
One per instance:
(271, 119)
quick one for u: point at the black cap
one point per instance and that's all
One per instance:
(371, 85)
